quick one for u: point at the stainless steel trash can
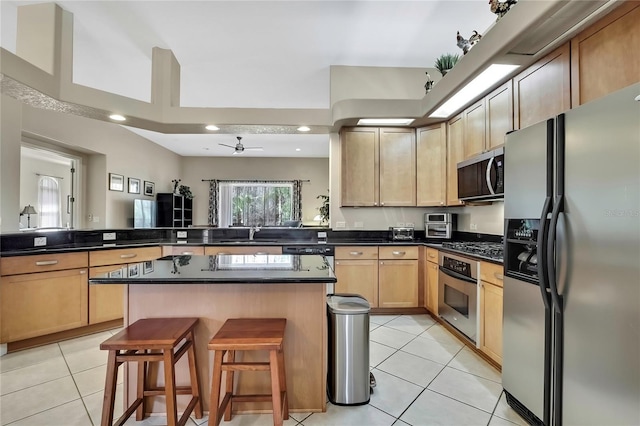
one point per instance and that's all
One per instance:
(348, 381)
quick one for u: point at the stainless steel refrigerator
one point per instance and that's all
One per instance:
(571, 350)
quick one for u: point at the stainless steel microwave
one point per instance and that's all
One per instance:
(481, 178)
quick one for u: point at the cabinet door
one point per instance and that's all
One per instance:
(106, 301)
(499, 115)
(360, 167)
(398, 283)
(474, 129)
(130, 255)
(432, 287)
(431, 169)
(182, 250)
(397, 167)
(543, 90)
(455, 154)
(491, 321)
(358, 277)
(37, 304)
(601, 62)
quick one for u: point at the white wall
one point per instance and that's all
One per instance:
(197, 168)
(10, 123)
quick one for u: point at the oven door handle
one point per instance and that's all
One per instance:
(457, 276)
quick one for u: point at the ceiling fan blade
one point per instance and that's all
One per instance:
(230, 146)
(253, 148)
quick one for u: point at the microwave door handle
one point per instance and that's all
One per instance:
(488, 176)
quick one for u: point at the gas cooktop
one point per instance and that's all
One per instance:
(485, 249)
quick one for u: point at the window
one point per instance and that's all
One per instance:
(49, 202)
(251, 204)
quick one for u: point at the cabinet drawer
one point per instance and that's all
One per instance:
(182, 250)
(432, 255)
(492, 273)
(357, 252)
(212, 251)
(398, 252)
(114, 257)
(42, 263)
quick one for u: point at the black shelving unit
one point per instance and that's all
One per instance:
(174, 211)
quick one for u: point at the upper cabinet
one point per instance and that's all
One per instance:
(378, 167)
(474, 129)
(543, 90)
(455, 154)
(498, 115)
(604, 57)
(431, 165)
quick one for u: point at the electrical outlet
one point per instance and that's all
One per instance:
(182, 234)
(90, 217)
(39, 241)
(109, 236)
(96, 219)
(400, 224)
(410, 224)
(358, 224)
(473, 226)
(341, 224)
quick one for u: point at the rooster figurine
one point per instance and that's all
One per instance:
(501, 8)
(465, 44)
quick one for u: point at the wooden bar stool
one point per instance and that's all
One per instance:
(248, 334)
(135, 344)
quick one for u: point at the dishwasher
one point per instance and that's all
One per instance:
(321, 249)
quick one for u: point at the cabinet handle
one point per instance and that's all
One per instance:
(431, 255)
(46, 262)
(128, 256)
(222, 253)
(187, 253)
(375, 204)
(399, 253)
(260, 253)
(356, 253)
(498, 276)
(382, 263)
(382, 204)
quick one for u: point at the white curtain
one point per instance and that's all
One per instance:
(49, 202)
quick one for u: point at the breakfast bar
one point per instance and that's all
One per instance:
(216, 288)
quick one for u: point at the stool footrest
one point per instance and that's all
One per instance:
(251, 398)
(180, 390)
(245, 366)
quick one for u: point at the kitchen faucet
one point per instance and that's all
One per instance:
(252, 231)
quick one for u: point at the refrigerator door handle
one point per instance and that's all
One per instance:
(542, 253)
(488, 176)
(550, 254)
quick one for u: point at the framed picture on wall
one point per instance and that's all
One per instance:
(134, 186)
(116, 182)
(133, 270)
(147, 267)
(149, 188)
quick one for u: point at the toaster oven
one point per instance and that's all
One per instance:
(439, 225)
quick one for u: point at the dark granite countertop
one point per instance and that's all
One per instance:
(225, 269)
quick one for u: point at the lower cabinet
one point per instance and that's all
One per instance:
(491, 301)
(398, 277)
(106, 301)
(356, 268)
(37, 304)
(432, 281)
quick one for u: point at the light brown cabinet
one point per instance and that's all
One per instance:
(491, 302)
(398, 276)
(543, 90)
(106, 301)
(474, 129)
(431, 274)
(356, 269)
(498, 115)
(604, 57)
(182, 250)
(34, 304)
(431, 165)
(378, 167)
(455, 154)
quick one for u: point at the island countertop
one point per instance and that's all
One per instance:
(224, 269)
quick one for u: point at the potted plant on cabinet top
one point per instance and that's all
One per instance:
(445, 62)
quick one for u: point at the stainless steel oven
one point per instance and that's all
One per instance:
(458, 293)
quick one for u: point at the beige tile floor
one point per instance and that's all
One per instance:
(424, 375)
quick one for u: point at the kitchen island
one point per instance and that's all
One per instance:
(215, 288)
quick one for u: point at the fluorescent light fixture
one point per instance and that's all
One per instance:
(117, 117)
(212, 127)
(385, 121)
(475, 87)
(304, 129)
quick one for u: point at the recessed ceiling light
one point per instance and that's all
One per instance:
(385, 121)
(212, 127)
(304, 129)
(298, 149)
(482, 82)
(117, 117)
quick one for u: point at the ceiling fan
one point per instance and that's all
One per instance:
(239, 148)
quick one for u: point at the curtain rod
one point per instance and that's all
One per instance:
(254, 180)
(57, 177)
